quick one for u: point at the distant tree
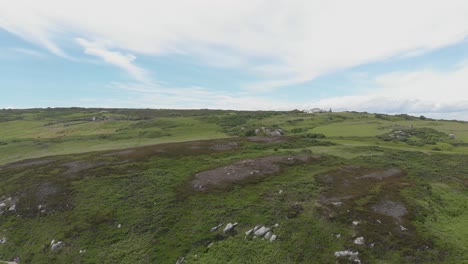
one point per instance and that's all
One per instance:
(330, 110)
(422, 117)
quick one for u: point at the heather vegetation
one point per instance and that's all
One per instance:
(150, 186)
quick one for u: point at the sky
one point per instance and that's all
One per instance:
(399, 56)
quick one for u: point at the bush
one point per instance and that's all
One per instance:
(314, 135)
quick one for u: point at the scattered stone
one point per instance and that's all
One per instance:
(353, 256)
(256, 228)
(54, 246)
(452, 136)
(82, 251)
(359, 241)
(210, 245)
(403, 228)
(276, 225)
(12, 208)
(280, 192)
(268, 235)
(3, 240)
(229, 227)
(338, 235)
(2, 206)
(249, 232)
(216, 227)
(180, 260)
(378, 221)
(273, 238)
(262, 231)
(355, 223)
(337, 203)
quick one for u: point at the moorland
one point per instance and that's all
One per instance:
(84, 185)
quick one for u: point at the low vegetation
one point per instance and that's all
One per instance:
(123, 186)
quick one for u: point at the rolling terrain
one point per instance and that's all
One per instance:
(207, 186)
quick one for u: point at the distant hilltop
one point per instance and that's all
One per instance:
(316, 110)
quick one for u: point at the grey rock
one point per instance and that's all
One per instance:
(353, 256)
(273, 238)
(180, 260)
(216, 227)
(262, 231)
(55, 245)
(359, 241)
(3, 240)
(268, 235)
(229, 227)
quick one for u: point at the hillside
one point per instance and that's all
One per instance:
(204, 186)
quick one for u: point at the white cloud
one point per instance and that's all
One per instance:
(123, 61)
(29, 52)
(306, 38)
(430, 92)
(195, 98)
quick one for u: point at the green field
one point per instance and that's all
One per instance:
(117, 186)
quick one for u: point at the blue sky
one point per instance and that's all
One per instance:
(227, 54)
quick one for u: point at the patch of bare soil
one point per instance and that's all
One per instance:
(353, 181)
(199, 147)
(390, 208)
(273, 139)
(245, 169)
(368, 200)
(27, 163)
(74, 167)
(226, 146)
(119, 153)
(379, 175)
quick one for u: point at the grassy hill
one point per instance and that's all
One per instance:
(148, 186)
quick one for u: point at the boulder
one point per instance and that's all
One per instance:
(3, 240)
(229, 227)
(359, 241)
(268, 235)
(353, 256)
(262, 231)
(55, 245)
(273, 238)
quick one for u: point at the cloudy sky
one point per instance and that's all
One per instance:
(399, 56)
